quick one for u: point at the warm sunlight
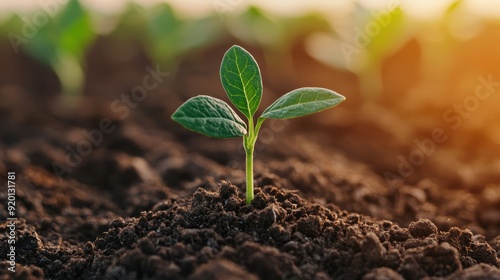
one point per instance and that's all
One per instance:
(420, 9)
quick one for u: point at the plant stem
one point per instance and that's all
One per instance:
(249, 173)
(249, 145)
(71, 76)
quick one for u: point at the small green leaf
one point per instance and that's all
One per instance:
(240, 77)
(76, 31)
(210, 116)
(302, 102)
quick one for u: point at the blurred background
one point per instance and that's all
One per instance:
(422, 78)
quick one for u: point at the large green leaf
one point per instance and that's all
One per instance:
(210, 116)
(240, 77)
(302, 102)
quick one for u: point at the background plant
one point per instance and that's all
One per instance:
(171, 36)
(274, 34)
(62, 43)
(241, 79)
(375, 37)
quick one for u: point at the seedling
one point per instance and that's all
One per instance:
(61, 42)
(241, 79)
(364, 53)
(275, 35)
(171, 37)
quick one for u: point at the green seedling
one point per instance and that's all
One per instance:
(61, 42)
(171, 37)
(241, 79)
(364, 52)
(275, 35)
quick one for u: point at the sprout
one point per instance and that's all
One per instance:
(241, 79)
(62, 43)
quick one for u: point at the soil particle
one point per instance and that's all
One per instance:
(373, 251)
(410, 268)
(280, 234)
(310, 226)
(399, 234)
(222, 269)
(483, 253)
(146, 245)
(422, 228)
(383, 273)
(495, 243)
(417, 243)
(441, 260)
(478, 272)
(30, 272)
(266, 262)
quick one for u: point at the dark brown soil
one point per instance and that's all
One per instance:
(153, 201)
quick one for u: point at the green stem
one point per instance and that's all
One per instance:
(249, 145)
(249, 173)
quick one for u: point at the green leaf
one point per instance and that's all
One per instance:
(164, 28)
(392, 36)
(210, 116)
(62, 43)
(75, 29)
(69, 33)
(302, 102)
(256, 27)
(240, 77)
(132, 22)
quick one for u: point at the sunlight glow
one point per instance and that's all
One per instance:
(419, 9)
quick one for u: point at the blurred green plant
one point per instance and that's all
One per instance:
(132, 23)
(171, 38)
(241, 79)
(437, 41)
(61, 43)
(361, 47)
(274, 34)
(12, 22)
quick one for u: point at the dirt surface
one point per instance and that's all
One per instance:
(152, 201)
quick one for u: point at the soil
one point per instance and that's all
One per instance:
(153, 201)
